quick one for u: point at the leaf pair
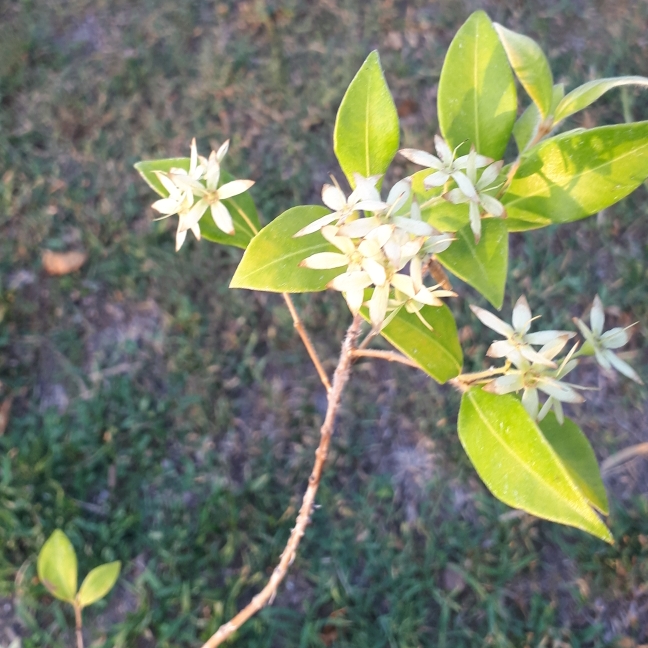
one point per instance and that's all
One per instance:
(57, 571)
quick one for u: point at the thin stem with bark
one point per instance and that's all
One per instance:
(79, 625)
(306, 340)
(267, 594)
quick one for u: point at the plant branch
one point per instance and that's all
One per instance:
(267, 594)
(390, 356)
(299, 326)
(79, 625)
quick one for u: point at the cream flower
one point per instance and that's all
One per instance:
(601, 344)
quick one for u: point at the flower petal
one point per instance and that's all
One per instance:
(544, 337)
(233, 188)
(467, 187)
(422, 158)
(531, 402)
(317, 225)
(359, 228)
(492, 321)
(500, 349)
(506, 384)
(222, 151)
(521, 317)
(558, 390)
(445, 152)
(180, 239)
(222, 218)
(375, 271)
(415, 227)
(325, 261)
(436, 179)
(623, 367)
(404, 284)
(378, 305)
(333, 197)
(350, 281)
(597, 317)
(490, 175)
(492, 206)
(615, 338)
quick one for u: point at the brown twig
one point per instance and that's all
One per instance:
(265, 596)
(306, 340)
(619, 458)
(390, 356)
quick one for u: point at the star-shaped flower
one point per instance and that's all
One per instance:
(333, 197)
(445, 165)
(475, 193)
(519, 342)
(601, 344)
(532, 377)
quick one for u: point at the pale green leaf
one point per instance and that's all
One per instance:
(576, 174)
(530, 66)
(576, 454)
(366, 132)
(589, 92)
(241, 207)
(518, 464)
(98, 583)
(57, 567)
(483, 266)
(271, 261)
(477, 101)
(436, 351)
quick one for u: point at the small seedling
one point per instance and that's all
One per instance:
(57, 571)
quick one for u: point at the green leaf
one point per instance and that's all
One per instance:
(482, 266)
(241, 207)
(588, 93)
(526, 127)
(57, 567)
(98, 583)
(577, 174)
(271, 261)
(477, 99)
(576, 454)
(517, 463)
(530, 66)
(366, 132)
(437, 351)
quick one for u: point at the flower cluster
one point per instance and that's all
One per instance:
(532, 371)
(200, 181)
(375, 249)
(387, 244)
(463, 170)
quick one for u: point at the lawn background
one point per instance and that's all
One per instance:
(163, 420)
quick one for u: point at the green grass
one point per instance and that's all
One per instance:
(183, 417)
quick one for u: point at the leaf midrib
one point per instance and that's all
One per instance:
(513, 454)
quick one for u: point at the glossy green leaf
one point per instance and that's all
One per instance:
(576, 454)
(518, 464)
(57, 567)
(271, 261)
(241, 207)
(477, 101)
(98, 583)
(577, 174)
(437, 351)
(366, 132)
(530, 66)
(589, 92)
(483, 266)
(526, 127)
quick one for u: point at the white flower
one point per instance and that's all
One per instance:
(202, 181)
(601, 344)
(333, 197)
(177, 202)
(365, 267)
(445, 165)
(518, 340)
(537, 376)
(474, 193)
